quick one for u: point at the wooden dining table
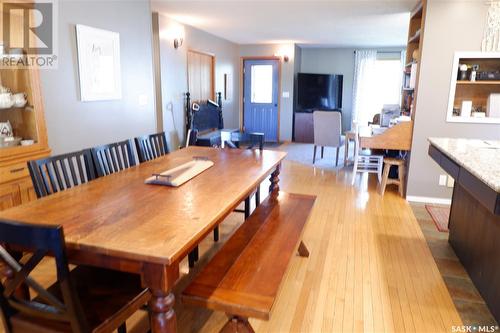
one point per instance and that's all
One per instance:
(119, 222)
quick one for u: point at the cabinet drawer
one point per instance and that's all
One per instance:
(14, 171)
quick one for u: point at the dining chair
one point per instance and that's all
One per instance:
(113, 157)
(327, 132)
(58, 173)
(365, 161)
(151, 146)
(82, 300)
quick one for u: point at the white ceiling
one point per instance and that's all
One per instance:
(336, 23)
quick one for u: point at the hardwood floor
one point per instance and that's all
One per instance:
(370, 268)
(469, 303)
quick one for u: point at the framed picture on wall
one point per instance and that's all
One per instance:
(98, 64)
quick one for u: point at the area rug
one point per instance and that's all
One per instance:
(440, 215)
(303, 153)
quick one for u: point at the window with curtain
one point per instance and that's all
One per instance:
(377, 81)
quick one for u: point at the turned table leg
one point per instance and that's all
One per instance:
(161, 312)
(274, 188)
(160, 280)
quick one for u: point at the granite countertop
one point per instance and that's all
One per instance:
(480, 157)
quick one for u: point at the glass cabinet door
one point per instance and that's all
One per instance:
(18, 124)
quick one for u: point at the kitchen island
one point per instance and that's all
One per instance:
(474, 222)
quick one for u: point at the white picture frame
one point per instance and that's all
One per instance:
(98, 64)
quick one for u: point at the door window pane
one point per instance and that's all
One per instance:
(262, 84)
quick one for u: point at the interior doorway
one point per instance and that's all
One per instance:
(261, 89)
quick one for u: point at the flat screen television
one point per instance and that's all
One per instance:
(319, 92)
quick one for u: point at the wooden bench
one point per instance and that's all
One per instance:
(244, 277)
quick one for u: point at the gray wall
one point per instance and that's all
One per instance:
(287, 81)
(72, 124)
(174, 75)
(445, 33)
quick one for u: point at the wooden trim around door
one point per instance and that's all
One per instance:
(158, 101)
(214, 60)
(242, 84)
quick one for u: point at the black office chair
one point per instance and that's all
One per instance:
(113, 157)
(85, 299)
(151, 146)
(58, 173)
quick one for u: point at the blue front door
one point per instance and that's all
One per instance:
(261, 93)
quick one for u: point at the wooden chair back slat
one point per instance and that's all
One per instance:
(57, 173)
(65, 171)
(113, 157)
(72, 171)
(37, 241)
(52, 177)
(123, 158)
(150, 147)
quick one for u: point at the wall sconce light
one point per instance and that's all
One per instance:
(283, 56)
(173, 32)
(178, 42)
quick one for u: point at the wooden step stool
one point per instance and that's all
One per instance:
(400, 163)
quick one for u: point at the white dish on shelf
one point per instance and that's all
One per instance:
(27, 142)
(9, 141)
(19, 100)
(6, 100)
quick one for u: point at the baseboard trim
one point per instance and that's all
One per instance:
(430, 200)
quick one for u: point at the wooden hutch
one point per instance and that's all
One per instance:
(27, 123)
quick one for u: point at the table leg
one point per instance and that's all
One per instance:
(346, 150)
(160, 279)
(161, 312)
(274, 188)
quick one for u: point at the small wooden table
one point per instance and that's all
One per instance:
(118, 222)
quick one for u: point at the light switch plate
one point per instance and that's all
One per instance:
(286, 94)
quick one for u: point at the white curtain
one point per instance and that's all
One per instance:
(364, 81)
